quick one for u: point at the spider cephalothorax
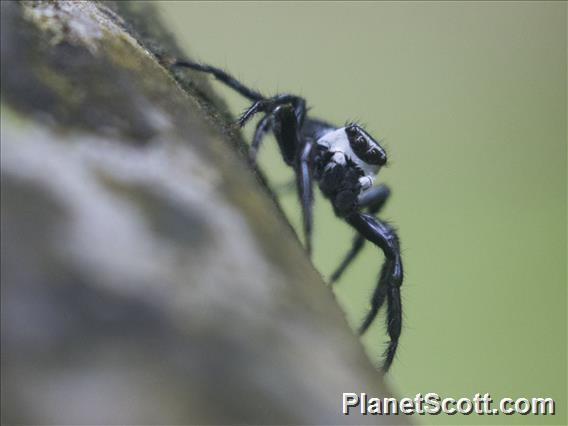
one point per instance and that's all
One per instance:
(343, 161)
(346, 161)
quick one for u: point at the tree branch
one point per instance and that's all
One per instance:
(147, 276)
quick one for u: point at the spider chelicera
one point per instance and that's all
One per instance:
(343, 161)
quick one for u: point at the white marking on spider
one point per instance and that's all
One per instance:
(336, 141)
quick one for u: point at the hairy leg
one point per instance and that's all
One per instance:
(296, 153)
(390, 279)
(222, 76)
(261, 128)
(269, 105)
(305, 192)
(374, 199)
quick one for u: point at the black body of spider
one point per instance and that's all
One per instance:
(343, 161)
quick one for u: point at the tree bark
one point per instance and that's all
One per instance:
(147, 274)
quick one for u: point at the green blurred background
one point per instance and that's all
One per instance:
(471, 100)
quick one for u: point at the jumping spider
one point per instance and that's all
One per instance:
(343, 161)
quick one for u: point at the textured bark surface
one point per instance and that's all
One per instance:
(147, 274)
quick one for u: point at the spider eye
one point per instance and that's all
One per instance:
(351, 131)
(375, 156)
(365, 148)
(360, 142)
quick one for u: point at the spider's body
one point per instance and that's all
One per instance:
(346, 162)
(343, 161)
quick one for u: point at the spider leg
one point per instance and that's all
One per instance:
(222, 76)
(374, 199)
(305, 192)
(390, 280)
(270, 104)
(261, 128)
(255, 108)
(296, 153)
(261, 104)
(358, 242)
